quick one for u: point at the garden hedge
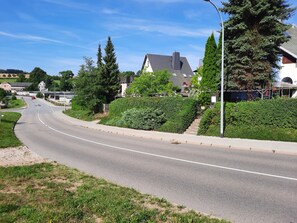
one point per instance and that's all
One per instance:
(179, 112)
(272, 114)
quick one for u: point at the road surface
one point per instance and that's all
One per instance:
(240, 186)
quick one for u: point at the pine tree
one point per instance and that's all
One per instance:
(210, 71)
(109, 73)
(99, 57)
(254, 32)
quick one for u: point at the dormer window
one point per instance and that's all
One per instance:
(185, 75)
(174, 74)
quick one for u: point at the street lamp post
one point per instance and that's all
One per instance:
(222, 71)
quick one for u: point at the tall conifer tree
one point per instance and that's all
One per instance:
(254, 32)
(99, 57)
(208, 82)
(109, 73)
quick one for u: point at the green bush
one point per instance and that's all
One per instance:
(179, 112)
(75, 106)
(273, 114)
(143, 118)
(13, 97)
(39, 95)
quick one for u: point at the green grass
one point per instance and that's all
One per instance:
(55, 193)
(80, 114)
(256, 132)
(18, 103)
(8, 80)
(7, 136)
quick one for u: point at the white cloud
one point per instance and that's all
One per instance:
(165, 28)
(30, 37)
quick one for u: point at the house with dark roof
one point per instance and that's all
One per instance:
(178, 66)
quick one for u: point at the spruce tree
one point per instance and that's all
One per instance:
(209, 82)
(253, 34)
(109, 73)
(99, 57)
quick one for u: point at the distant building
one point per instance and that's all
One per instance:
(14, 86)
(125, 83)
(178, 66)
(41, 86)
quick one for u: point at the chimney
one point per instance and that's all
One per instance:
(176, 61)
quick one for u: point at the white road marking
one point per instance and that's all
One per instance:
(169, 157)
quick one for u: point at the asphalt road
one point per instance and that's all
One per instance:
(240, 186)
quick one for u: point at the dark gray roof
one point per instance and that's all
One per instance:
(290, 47)
(161, 62)
(20, 84)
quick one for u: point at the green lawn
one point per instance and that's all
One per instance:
(18, 103)
(55, 193)
(8, 80)
(7, 136)
(80, 114)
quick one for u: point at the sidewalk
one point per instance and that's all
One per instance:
(231, 143)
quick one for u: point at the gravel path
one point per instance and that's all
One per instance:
(19, 156)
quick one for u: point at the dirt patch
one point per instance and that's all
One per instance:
(19, 156)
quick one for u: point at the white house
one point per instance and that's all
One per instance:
(288, 72)
(178, 66)
(41, 86)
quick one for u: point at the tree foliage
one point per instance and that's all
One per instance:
(254, 32)
(2, 94)
(87, 88)
(21, 78)
(36, 76)
(151, 83)
(209, 81)
(65, 81)
(99, 57)
(109, 73)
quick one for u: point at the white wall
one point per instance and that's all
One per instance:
(147, 65)
(289, 70)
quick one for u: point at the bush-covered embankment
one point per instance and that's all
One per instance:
(166, 114)
(265, 119)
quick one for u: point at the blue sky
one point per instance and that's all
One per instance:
(55, 35)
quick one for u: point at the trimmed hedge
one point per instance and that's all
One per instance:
(179, 112)
(271, 114)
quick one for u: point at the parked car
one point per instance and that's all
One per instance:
(33, 97)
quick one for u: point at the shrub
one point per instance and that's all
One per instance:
(75, 105)
(13, 97)
(179, 112)
(144, 118)
(39, 95)
(273, 114)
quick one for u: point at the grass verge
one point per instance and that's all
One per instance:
(255, 132)
(80, 114)
(18, 103)
(7, 136)
(55, 193)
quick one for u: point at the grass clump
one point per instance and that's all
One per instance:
(7, 136)
(55, 193)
